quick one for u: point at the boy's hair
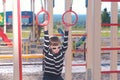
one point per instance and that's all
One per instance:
(55, 41)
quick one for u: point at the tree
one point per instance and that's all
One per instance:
(105, 16)
(118, 15)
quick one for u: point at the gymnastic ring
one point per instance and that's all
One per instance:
(48, 18)
(69, 24)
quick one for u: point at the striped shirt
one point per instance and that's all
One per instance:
(53, 63)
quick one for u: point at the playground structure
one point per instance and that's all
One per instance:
(5, 38)
(93, 44)
(27, 18)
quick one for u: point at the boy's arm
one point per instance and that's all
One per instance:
(65, 43)
(66, 28)
(46, 39)
(45, 27)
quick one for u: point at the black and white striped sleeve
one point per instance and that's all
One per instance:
(46, 42)
(65, 42)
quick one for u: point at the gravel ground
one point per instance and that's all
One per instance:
(33, 72)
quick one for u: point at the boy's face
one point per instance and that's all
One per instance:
(55, 49)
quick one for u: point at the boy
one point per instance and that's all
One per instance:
(54, 52)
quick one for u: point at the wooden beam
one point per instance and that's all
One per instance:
(23, 56)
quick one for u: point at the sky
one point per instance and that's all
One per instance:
(78, 6)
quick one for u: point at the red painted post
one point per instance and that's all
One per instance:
(110, 0)
(19, 39)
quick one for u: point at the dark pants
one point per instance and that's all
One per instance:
(52, 77)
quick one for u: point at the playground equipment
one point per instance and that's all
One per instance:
(93, 55)
(60, 31)
(71, 12)
(93, 40)
(79, 42)
(41, 17)
(5, 38)
(45, 14)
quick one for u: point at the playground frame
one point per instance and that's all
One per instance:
(93, 56)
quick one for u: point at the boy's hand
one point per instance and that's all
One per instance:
(45, 22)
(45, 27)
(66, 27)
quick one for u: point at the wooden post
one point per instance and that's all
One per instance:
(89, 41)
(33, 26)
(17, 46)
(93, 55)
(4, 10)
(114, 42)
(68, 57)
(50, 10)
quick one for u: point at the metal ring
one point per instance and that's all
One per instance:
(69, 24)
(37, 18)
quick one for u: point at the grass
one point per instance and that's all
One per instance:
(24, 35)
(26, 32)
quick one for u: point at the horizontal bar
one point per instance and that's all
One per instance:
(79, 50)
(5, 52)
(23, 63)
(107, 72)
(6, 46)
(105, 48)
(5, 42)
(24, 56)
(79, 64)
(107, 24)
(115, 48)
(72, 34)
(42, 56)
(110, 0)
